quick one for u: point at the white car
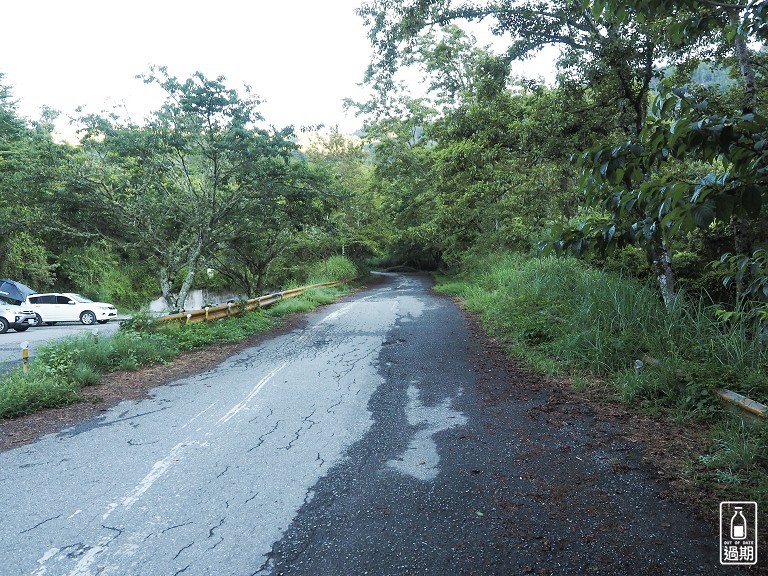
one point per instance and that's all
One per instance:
(67, 307)
(16, 317)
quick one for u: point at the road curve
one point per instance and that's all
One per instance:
(378, 438)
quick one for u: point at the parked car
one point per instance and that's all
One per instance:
(17, 317)
(67, 307)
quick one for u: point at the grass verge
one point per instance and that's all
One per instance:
(61, 372)
(600, 329)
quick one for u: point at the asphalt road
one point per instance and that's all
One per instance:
(379, 438)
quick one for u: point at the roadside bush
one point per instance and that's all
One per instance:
(737, 461)
(331, 270)
(560, 314)
(320, 296)
(21, 394)
(291, 306)
(593, 326)
(67, 358)
(201, 334)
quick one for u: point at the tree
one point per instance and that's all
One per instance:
(359, 228)
(681, 129)
(614, 59)
(30, 168)
(172, 187)
(267, 225)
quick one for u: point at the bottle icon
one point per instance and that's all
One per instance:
(738, 525)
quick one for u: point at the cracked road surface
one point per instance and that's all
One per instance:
(378, 438)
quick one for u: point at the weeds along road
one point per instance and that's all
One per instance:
(11, 341)
(379, 438)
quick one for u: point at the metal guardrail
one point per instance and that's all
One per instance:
(744, 405)
(233, 308)
(750, 407)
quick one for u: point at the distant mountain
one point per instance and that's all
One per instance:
(705, 75)
(712, 76)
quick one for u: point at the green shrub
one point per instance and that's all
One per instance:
(85, 375)
(563, 317)
(561, 313)
(290, 306)
(20, 394)
(331, 270)
(739, 456)
(319, 296)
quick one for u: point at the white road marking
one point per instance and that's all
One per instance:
(47, 556)
(196, 416)
(256, 389)
(158, 470)
(83, 567)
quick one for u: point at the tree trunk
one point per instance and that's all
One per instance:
(745, 66)
(186, 285)
(662, 264)
(741, 237)
(193, 260)
(171, 301)
(261, 278)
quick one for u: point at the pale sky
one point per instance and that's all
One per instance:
(302, 57)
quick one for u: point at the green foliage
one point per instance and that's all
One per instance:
(98, 271)
(20, 394)
(738, 448)
(333, 269)
(320, 296)
(66, 358)
(586, 320)
(291, 306)
(201, 185)
(25, 258)
(605, 330)
(84, 266)
(737, 461)
(200, 334)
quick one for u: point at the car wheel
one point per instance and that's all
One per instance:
(38, 321)
(103, 321)
(3, 325)
(88, 318)
(21, 328)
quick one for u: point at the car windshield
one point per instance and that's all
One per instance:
(80, 298)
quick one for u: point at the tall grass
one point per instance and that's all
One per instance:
(563, 317)
(332, 269)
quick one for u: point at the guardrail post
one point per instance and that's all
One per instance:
(206, 313)
(189, 316)
(25, 357)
